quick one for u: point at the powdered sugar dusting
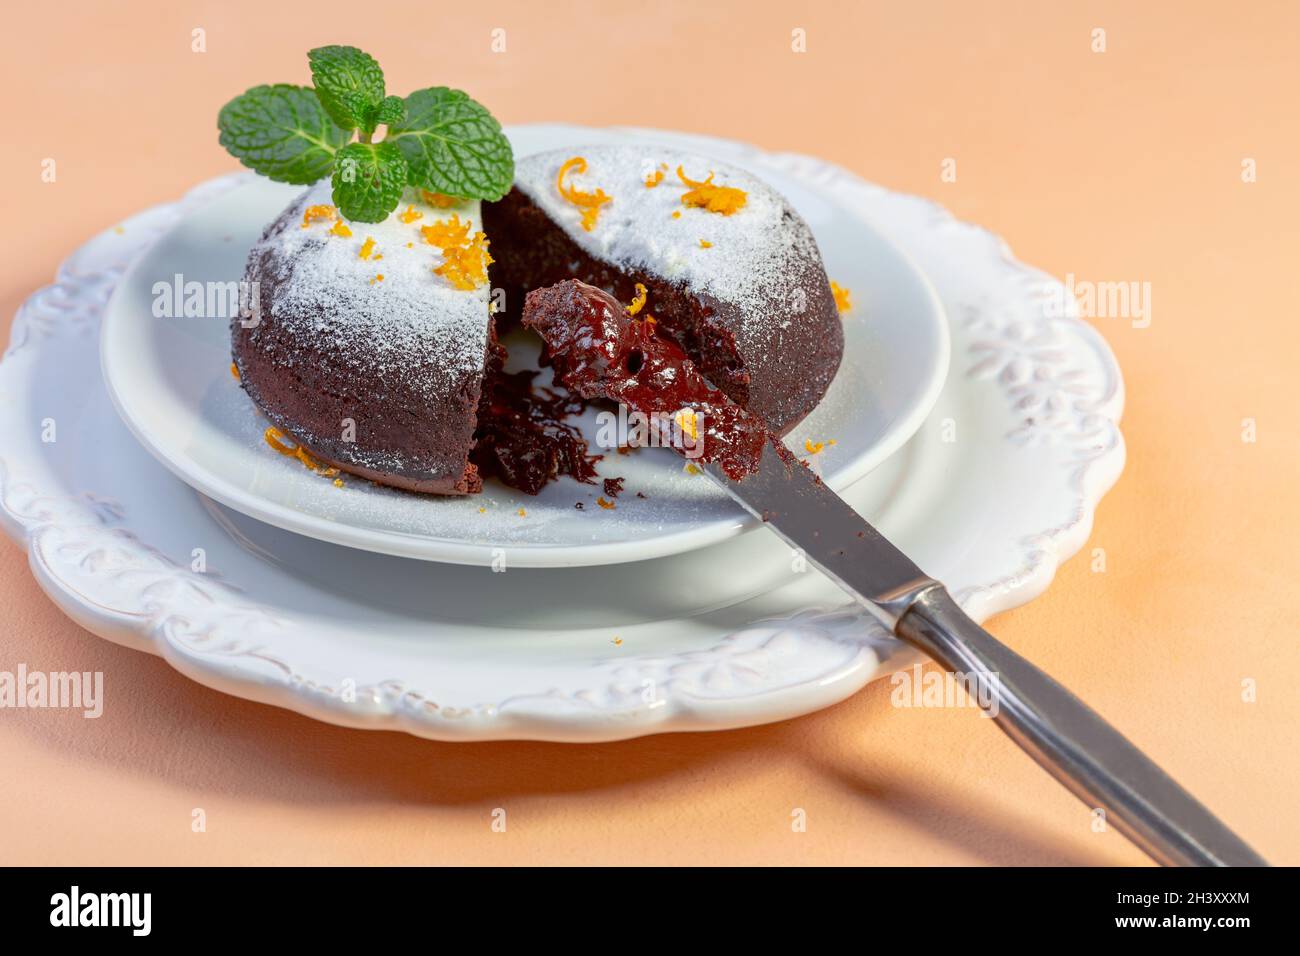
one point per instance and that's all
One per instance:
(746, 257)
(336, 296)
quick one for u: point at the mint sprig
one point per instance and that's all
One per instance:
(438, 139)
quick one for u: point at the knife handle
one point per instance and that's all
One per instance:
(1089, 757)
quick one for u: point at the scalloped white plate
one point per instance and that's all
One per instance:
(169, 379)
(995, 489)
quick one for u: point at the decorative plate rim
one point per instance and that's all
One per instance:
(207, 631)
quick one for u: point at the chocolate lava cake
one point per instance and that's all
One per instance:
(376, 350)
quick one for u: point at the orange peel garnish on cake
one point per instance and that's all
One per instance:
(465, 257)
(588, 203)
(410, 215)
(277, 440)
(607, 505)
(817, 447)
(843, 297)
(703, 194)
(367, 248)
(654, 179)
(438, 200)
(317, 214)
(638, 303)
(340, 229)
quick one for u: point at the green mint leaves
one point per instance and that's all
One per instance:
(453, 145)
(368, 180)
(350, 85)
(281, 132)
(438, 139)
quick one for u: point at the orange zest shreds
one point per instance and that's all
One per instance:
(677, 214)
(447, 232)
(276, 439)
(234, 371)
(119, 230)
(341, 229)
(522, 513)
(378, 278)
(411, 215)
(438, 200)
(316, 213)
(465, 267)
(378, 257)
(650, 319)
(704, 195)
(654, 179)
(816, 447)
(482, 511)
(843, 298)
(617, 642)
(688, 422)
(705, 244)
(589, 203)
(338, 482)
(410, 245)
(367, 247)
(691, 469)
(639, 302)
(607, 505)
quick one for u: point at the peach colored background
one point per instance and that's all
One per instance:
(1116, 166)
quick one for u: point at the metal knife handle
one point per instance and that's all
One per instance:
(1088, 756)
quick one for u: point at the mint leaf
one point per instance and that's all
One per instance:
(390, 112)
(453, 145)
(368, 180)
(282, 132)
(350, 84)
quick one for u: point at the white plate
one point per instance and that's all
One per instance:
(170, 380)
(996, 488)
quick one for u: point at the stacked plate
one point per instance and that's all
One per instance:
(974, 421)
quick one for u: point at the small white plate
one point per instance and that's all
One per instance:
(997, 487)
(170, 381)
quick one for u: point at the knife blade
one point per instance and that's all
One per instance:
(1065, 736)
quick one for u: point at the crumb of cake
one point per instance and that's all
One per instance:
(640, 494)
(579, 505)
(438, 200)
(234, 371)
(654, 179)
(589, 203)
(638, 303)
(340, 228)
(316, 214)
(843, 298)
(410, 215)
(705, 195)
(607, 505)
(367, 248)
(705, 244)
(613, 487)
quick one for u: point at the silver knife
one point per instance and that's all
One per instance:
(1093, 760)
